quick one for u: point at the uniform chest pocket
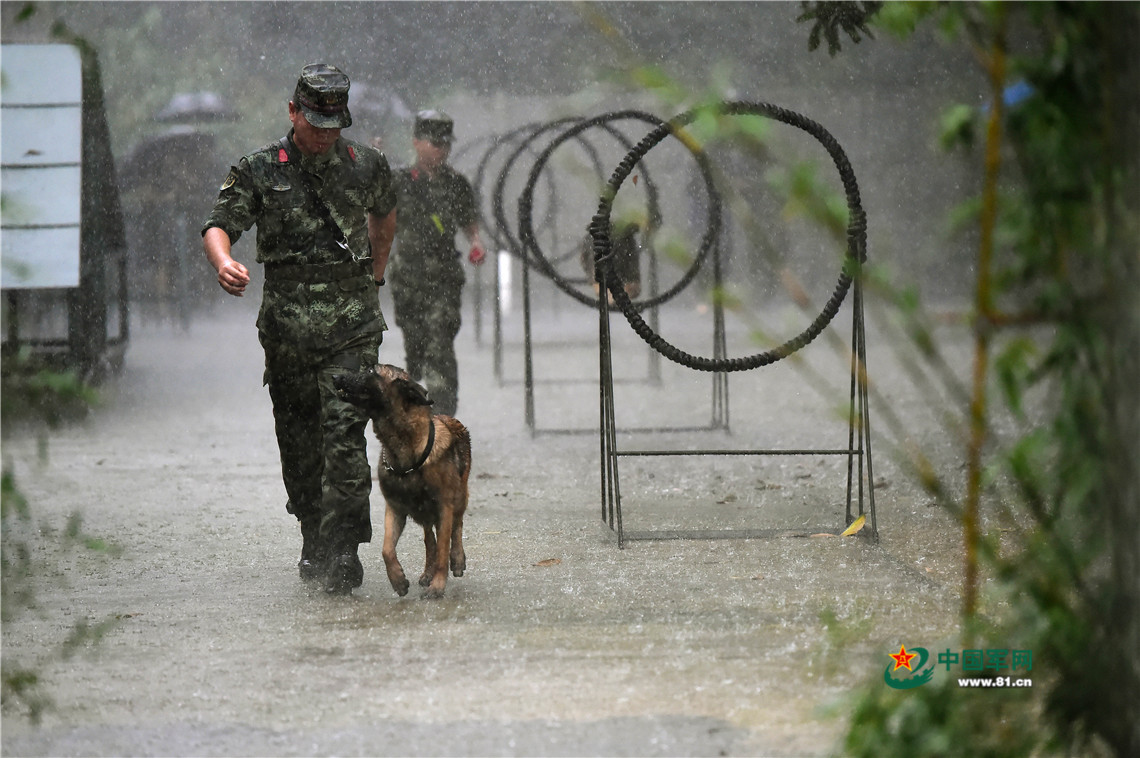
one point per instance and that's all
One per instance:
(283, 196)
(357, 196)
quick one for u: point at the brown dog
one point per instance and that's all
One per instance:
(425, 461)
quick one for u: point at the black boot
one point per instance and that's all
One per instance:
(314, 551)
(344, 569)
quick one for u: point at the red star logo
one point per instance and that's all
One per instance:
(902, 659)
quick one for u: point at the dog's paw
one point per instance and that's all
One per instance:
(401, 587)
(433, 593)
(425, 578)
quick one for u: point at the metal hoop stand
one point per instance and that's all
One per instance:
(860, 471)
(532, 256)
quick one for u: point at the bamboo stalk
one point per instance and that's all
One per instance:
(983, 324)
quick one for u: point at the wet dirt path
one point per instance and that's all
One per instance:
(554, 643)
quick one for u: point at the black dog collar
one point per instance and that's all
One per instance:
(423, 458)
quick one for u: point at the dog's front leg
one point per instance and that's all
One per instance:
(442, 551)
(393, 528)
(429, 556)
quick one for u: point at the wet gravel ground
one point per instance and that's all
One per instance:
(554, 643)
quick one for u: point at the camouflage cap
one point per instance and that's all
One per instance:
(322, 95)
(434, 126)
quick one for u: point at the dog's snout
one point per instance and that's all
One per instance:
(351, 387)
(342, 383)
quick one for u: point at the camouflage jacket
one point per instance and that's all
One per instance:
(315, 296)
(432, 211)
(266, 188)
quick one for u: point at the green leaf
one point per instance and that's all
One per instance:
(1014, 366)
(899, 19)
(956, 127)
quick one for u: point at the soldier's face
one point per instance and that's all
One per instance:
(309, 139)
(431, 155)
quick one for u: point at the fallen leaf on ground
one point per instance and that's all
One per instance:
(856, 525)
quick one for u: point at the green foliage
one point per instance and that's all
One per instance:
(674, 246)
(806, 196)
(1066, 256)
(957, 126)
(23, 685)
(654, 79)
(942, 720)
(726, 298)
(26, 546)
(842, 634)
(900, 19)
(16, 556)
(1014, 368)
(31, 390)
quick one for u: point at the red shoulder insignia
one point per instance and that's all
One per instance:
(282, 156)
(415, 172)
(352, 153)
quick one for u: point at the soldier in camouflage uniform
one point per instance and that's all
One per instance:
(325, 213)
(427, 279)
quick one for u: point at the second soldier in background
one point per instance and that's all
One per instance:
(425, 271)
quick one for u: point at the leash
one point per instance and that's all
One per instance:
(423, 458)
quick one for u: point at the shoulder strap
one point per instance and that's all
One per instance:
(287, 154)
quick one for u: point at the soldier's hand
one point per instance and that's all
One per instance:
(233, 277)
(477, 255)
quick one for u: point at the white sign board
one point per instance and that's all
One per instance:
(41, 133)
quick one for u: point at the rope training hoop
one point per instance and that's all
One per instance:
(856, 235)
(544, 265)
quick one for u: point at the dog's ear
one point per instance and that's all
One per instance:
(412, 392)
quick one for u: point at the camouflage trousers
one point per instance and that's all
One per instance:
(429, 317)
(324, 457)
